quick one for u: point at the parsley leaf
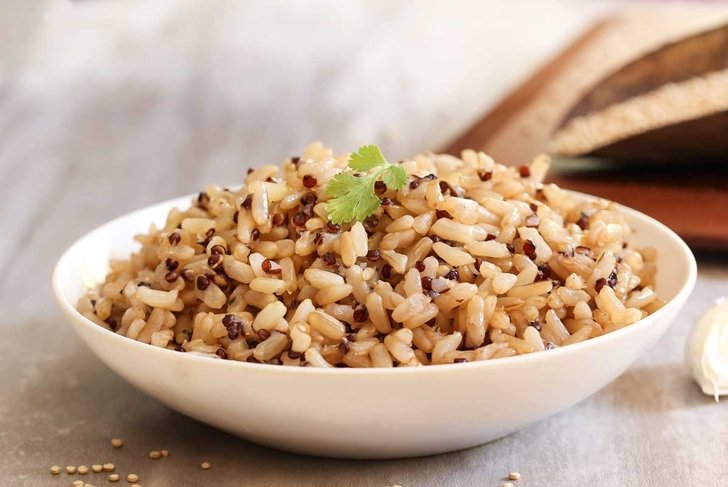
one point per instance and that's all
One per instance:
(341, 184)
(394, 177)
(357, 204)
(366, 158)
(353, 197)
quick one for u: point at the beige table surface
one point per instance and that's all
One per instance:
(106, 108)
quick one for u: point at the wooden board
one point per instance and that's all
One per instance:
(690, 198)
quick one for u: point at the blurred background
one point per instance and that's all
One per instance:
(110, 105)
(168, 96)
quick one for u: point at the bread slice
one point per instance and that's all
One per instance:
(669, 104)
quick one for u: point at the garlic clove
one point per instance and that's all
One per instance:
(707, 350)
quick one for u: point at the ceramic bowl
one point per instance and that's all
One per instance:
(367, 413)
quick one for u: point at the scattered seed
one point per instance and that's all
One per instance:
(612, 279)
(373, 255)
(426, 283)
(361, 314)
(414, 184)
(117, 442)
(113, 477)
(371, 223)
(529, 249)
(78, 483)
(601, 282)
(524, 171)
(108, 467)
(55, 470)
(214, 261)
(309, 180)
(228, 320)
(514, 476)
(132, 478)
(165, 453)
(174, 238)
(220, 353)
(205, 466)
(155, 455)
(309, 198)
(82, 469)
(70, 469)
(308, 211)
(278, 219)
(299, 219)
(544, 272)
(453, 275)
(485, 175)
(96, 468)
(202, 283)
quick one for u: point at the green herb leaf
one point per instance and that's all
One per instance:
(394, 177)
(357, 204)
(341, 184)
(366, 158)
(353, 197)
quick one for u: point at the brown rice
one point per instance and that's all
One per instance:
(475, 261)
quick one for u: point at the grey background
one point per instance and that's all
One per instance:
(109, 106)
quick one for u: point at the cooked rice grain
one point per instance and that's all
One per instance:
(472, 261)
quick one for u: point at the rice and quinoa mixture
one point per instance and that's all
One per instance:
(470, 260)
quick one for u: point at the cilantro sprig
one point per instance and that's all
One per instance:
(353, 196)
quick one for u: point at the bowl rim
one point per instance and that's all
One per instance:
(676, 301)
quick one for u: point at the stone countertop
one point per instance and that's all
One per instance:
(107, 108)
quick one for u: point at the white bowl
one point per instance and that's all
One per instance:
(367, 413)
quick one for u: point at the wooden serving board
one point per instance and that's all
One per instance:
(691, 198)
